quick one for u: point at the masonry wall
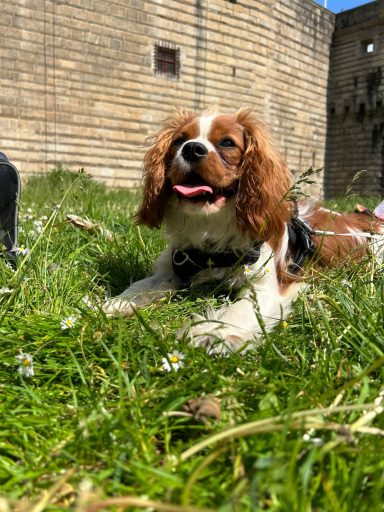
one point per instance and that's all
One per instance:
(78, 85)
(355, 156)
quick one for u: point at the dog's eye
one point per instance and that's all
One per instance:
(179, 141)
(227, 143)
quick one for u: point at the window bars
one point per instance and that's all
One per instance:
(167, 60)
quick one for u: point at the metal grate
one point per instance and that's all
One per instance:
(367, 46)
(167, 60)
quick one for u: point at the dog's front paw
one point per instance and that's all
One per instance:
(118, 307)
(216, 338)
(221, 343)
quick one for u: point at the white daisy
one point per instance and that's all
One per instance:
(26, 364)
(248, 271)
(174, 361)
(22, 251)
(68, 323)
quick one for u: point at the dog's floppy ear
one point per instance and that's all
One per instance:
(262, 203)
(156, 190)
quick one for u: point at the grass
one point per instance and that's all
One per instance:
(102, 426)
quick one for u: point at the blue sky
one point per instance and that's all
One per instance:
(338, 5)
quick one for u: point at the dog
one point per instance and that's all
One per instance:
(225, 197)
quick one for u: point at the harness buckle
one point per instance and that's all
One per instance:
(183, 253)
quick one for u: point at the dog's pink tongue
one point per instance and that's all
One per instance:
(192, 190)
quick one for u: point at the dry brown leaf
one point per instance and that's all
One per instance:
(81, 223)
(87, 225)
(203, 407)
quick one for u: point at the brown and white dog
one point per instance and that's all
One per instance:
(223, 193)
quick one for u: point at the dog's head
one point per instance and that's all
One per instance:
(213, 161)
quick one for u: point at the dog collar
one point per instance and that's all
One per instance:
(188, 262)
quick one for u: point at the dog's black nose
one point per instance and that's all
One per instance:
(193, 151)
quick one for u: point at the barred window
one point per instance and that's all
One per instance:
(167, 60)
(367, 46)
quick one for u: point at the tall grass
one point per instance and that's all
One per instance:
(102, 426)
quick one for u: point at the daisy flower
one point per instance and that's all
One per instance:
(248, 272)
(68, 323)
(22, 251)
(173, 362)
(26, 364)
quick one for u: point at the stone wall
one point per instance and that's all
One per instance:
(355, 155)
(78, 85)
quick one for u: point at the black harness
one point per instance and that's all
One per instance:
(188, 262)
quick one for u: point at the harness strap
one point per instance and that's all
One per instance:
(300, 243)
(188, 262)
